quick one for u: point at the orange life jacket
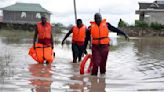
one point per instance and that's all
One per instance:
(100, 33)
(44, 32)
(42, 53)
(79, 33)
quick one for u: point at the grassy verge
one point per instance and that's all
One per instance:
(16, 34)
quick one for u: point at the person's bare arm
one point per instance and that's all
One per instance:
(52, 41)
(35, 37)
(67, 35)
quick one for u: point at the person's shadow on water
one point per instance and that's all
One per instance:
(41, 77)
(88, 83)
(97, 84)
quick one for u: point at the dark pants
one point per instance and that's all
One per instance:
(99, 58)
(77, 52)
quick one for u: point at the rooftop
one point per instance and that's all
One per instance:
(156, 4)
(25, 7)
(160, 1)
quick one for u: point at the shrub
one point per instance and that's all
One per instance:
(141, 24)
(122, 23)
(156, 26)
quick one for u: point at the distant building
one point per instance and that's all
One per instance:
(151, 12)
(24, 13)
(1, 19)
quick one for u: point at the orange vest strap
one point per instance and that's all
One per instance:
(101, 38)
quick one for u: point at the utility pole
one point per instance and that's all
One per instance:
(99, 10)
(74, 1)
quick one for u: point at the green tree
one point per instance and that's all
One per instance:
(121, 23)
(141, 24)
(156, 26)
(58, 27)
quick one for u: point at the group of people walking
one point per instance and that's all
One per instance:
(97, 33)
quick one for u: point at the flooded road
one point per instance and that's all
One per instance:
(134, 66)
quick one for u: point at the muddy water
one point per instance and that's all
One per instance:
(132, 66)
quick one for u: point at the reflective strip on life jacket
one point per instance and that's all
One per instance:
(100, 33)
(79, 33)
(44, 32)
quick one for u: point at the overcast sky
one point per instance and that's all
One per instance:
(63, 10)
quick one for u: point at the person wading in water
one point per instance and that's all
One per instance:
(99, 32)
(78, 38)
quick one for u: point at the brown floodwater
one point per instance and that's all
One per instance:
(134, 66)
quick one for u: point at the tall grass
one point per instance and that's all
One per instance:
(16, 34)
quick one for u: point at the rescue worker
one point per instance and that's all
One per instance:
(43, 34)
(78, 38)
(98, 32)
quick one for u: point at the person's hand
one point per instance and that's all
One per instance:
(127, 37)
(54, 54)
(85, 52)
(62, 43)
(52, 47)
(34, 47)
